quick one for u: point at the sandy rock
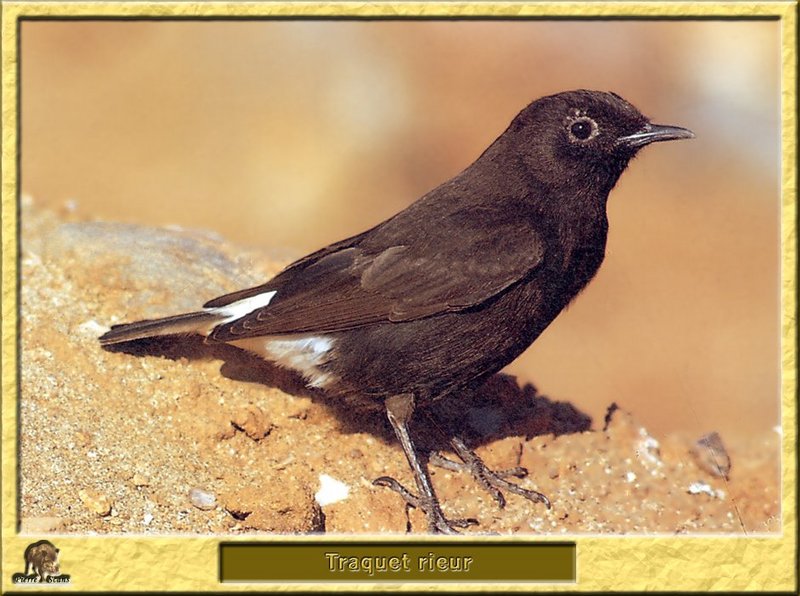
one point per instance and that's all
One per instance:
(367, 510)
(163, 409)
(291, 511)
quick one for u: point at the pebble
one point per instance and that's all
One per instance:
(284, 462)
(97, 503)
(330, 490)
(710, 453)
(82, 438)
(253, 422)
(91, 328)
(140, 480)
(203, 500)
(696, 488)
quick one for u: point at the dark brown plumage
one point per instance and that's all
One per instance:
(453, 288)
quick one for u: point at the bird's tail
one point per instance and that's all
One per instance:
(194, 322)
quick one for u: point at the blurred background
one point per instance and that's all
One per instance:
(294, 134)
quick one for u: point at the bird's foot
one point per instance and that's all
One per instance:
(492, 481)
(437, 522)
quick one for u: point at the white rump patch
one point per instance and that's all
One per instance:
(304, 354)
(241, 308)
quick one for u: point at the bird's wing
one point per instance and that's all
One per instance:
(274, 283)
(360, 284)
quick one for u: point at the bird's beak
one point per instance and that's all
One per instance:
(652, 133)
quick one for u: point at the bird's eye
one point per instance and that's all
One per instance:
(583, 129)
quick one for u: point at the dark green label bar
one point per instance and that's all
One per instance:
(397, 562)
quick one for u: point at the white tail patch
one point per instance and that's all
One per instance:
(304, 354)
(241, 308)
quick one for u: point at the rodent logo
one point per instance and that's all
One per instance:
(41, 565)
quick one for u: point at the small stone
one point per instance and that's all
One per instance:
(140, 480)
(300, 413)
(82, 438)
(203, 500)
(696, 488)
(281, 465)
(253, 422)
(711, 455)
(330, 490)
(91, 328)
(148, 517)
(97, 503)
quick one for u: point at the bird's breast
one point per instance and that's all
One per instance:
(578, 249)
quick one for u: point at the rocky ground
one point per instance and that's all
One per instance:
(178, 437)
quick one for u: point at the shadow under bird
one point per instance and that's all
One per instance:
(450, 290)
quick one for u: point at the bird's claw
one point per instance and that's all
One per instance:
(437, 522)
(493, 482)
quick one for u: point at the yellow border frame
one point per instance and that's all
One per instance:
(675, 563)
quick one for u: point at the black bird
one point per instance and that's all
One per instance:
(451, 289)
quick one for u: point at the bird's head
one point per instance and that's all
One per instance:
(583, 135)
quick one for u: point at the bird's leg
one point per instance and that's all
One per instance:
(492, 481)
(399, 409)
